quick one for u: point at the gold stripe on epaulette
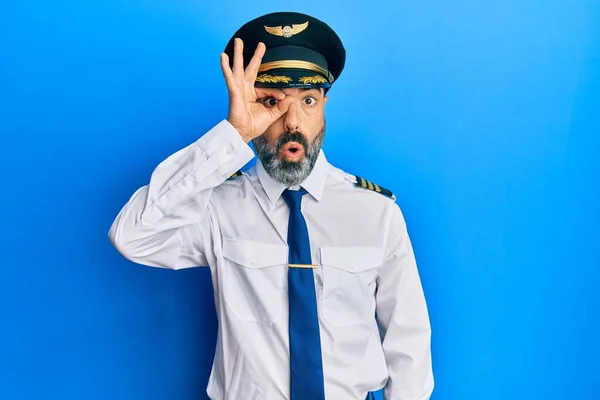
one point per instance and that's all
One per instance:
(235, 175)
(365, 184)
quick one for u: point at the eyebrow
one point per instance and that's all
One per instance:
(305, 89)
(311, 89)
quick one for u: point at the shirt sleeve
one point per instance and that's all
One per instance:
(403, 319)
(164, 223)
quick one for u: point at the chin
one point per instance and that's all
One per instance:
(292, 160)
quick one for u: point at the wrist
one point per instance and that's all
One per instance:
(245, 137)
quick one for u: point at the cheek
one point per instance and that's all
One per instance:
(273, 131)
(313, 124)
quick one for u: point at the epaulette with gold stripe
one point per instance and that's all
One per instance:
(363, 183)
(239, 173)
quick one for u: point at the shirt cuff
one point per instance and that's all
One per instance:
(224, 144)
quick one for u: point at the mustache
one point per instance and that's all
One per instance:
(287, 137)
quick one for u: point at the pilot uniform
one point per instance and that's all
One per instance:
(316, 287)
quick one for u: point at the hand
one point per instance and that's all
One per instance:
(247, 113)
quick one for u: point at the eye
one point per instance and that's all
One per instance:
(270, 102)
(310, 101)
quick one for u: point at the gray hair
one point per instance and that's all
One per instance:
(289, 173)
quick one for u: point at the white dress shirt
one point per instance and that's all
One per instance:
(373, 316)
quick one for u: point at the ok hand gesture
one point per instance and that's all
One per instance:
(247, 113)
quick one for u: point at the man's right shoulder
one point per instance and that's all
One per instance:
(235, 175)
(239, 178)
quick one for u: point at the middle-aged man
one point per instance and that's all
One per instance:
(316, 287)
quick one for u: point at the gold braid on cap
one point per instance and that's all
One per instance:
(312, 80)
(296, 64)
(264, 78)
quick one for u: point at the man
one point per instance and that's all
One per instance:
(316, 288)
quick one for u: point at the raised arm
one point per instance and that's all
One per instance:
(165, 223)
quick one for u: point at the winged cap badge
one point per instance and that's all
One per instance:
(286, 31)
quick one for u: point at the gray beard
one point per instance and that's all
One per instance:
(289, 173)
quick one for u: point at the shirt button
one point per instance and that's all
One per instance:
(253, 261)
(229, 149)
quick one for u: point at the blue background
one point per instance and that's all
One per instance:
(482, 117)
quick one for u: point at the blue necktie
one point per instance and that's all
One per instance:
(306, 366)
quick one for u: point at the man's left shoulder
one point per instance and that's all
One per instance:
(364, 185)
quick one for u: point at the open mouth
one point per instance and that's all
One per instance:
(292, 150)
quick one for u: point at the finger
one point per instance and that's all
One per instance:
(281, 108)
(254, 65)
(227, 73)
(238, 59)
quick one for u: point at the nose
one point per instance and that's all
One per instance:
(291, 118)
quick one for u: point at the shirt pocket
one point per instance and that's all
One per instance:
(349, 275)
(253, 279)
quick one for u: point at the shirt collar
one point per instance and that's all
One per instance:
(314, 183)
